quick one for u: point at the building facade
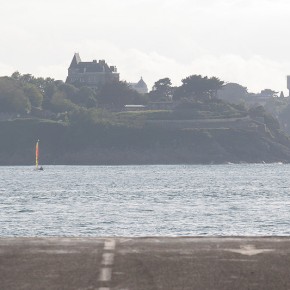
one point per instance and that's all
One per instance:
(92, 74)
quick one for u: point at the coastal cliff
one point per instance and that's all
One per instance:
(104, 144)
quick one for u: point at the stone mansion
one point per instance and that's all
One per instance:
(93, 74)
(97, 73)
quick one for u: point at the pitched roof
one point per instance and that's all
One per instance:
(93, 66)
(75, 61)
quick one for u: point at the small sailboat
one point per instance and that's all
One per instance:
(37, 156)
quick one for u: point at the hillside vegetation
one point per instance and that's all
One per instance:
(77, 126)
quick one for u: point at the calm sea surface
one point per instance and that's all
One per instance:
(145, 200)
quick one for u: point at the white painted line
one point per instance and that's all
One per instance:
(108, 259)
(105, 275)
(110, 245)
(107, 262)
(249, 250)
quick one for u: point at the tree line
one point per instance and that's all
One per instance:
(19, 93)
(24, 93)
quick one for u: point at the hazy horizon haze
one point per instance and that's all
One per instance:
(238, 41)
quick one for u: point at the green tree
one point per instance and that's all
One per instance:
(16, 75)
(86, 97)
(59, 103)
(269, 93)
(233, 93)
(162, 90)
(47, 87)
(34, 95)
(198, 88)
(12, 97)
(214, 85)
(118, 94)
(27, 78)
(276, 106)
(82, 116)
(69, 90)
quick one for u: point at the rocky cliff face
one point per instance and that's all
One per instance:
(103, 144)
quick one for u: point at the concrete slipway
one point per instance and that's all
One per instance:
(187, 263)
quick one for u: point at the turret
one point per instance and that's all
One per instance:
(76, 59)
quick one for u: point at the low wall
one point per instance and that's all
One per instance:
(234, 123)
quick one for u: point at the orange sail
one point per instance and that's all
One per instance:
(36, 154)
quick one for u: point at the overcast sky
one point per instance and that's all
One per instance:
(243, 41)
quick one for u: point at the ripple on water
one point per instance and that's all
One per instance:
(145, 200)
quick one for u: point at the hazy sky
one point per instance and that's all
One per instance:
(243, 41)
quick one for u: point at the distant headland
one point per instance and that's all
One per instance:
(94, 118)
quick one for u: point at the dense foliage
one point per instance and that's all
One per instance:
(20, 93)
(198, 88)
(162, 90)
(84, 125)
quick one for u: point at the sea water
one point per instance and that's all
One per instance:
(157, 200)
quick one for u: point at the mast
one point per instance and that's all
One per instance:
(36, 154)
